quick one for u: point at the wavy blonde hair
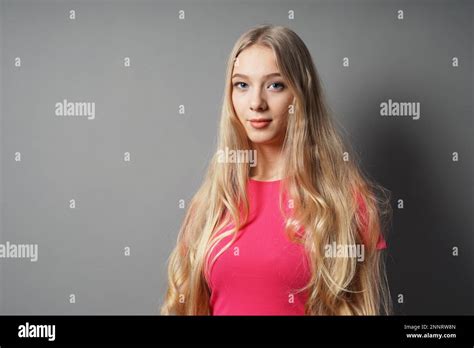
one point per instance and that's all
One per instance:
(327, 193)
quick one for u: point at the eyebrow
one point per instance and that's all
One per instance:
(245, 76)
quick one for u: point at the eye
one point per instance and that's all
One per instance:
(238, 83)
(278, 83)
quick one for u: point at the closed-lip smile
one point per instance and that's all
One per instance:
(260, 119)
(260, 123)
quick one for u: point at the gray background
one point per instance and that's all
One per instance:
(183, 62)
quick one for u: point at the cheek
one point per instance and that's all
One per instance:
(238, 106)
(281, 108)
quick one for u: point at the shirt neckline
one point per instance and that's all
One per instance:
(265, 181)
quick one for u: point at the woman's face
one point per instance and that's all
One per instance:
(260, 96)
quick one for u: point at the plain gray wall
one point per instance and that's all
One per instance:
(175, 62)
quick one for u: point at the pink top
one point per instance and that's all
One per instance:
(261, 271)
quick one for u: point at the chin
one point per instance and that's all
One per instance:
(261, 139)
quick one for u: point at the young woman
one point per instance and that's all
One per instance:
(299, 233)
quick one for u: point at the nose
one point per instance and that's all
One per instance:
(257, 102)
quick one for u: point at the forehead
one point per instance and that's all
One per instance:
(256, 61)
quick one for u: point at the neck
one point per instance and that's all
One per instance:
(269, 163)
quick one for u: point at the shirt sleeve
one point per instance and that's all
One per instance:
(381, 243)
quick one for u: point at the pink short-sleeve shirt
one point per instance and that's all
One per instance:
(260, 273)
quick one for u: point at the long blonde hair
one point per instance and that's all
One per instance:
(326, 189)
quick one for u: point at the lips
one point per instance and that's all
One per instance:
(260, 123)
